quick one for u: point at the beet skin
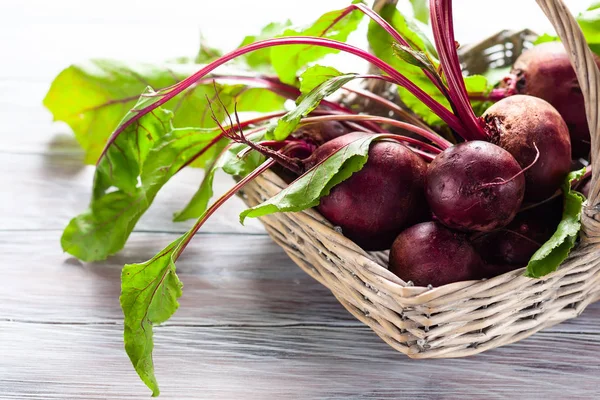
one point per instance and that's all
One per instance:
(375, 204)
(321, 132)
(518, 122)
(431, 254)
(475, 186)
(512, 247)
(545, 71)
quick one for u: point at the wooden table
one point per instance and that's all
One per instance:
(251, 324)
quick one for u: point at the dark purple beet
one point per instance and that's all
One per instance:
(375, 204)
(431, 254)
(515, 244)
(585, 189)
(469, 186)
(545, 71)
(518, 122)
(321, 132)
(316, 134)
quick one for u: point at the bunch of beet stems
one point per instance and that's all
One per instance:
(461, 119)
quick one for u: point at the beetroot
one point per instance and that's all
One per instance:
(515, 244)
(520, 124)
(321, 132)
(475, 186)
(386, 196)
(431, 254)
(545, 71)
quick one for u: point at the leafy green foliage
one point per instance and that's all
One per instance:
(229, 162)
(93, 98)
(410, 62)
(557, 248)
(207, 53)
(316, 75)
(306, 191)
(307, 103)
(149, 294)
(289, 60)
(495, 75)
(261, 59)
(128, 178)
(382, 43)
(475, 84)
(589, 21)
(420, 10)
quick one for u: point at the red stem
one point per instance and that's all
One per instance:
(390, 105)
(168, 93)
(494, 95)
(397, 37)
(244, 124)
(276, 86)
(433, 137)
(443, 31)
(412, 141)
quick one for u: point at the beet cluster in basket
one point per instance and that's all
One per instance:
(478, 208)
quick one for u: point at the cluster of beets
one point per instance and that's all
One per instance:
(480, 207)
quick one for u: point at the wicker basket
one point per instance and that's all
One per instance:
(462, 318)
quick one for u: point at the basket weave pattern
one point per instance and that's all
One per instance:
(462, 318)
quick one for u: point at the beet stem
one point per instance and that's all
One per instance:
(391, 106)
(433, 137)
(397, 37)
(406, 139)
(169, 92)
(443, 31)
(239, 137)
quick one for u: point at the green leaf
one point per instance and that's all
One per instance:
(382, 43)
(127, 180)
(232, 165)
(413, 57)
(557, 248)
(545, 38)
(420, 10)
(495, 75)
(384, 47)
(261, 59)
(258, 100)
(590, 24)
(589, 21)
(289, 60)
(207, 53)
(93, 98)
(306, 191)
(476, 84)
(149, 294)
(410, 63)
(316, 75)
(307, 103)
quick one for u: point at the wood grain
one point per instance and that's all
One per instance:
(88, 362)
(251, 324)
(47, 190)
(229, 280)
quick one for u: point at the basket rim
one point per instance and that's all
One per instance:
(581, 254)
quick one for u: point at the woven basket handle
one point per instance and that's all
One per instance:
(588, 76)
